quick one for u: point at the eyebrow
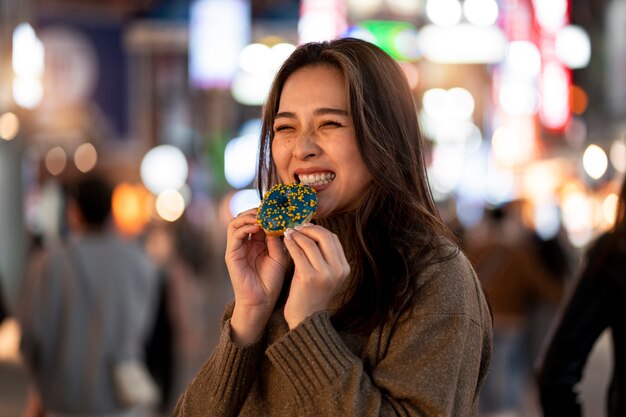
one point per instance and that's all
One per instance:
(317, 112)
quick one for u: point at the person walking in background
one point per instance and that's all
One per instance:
(370, 310)
(85, 309)
(193, 295)
(516, 281)
(596, 302)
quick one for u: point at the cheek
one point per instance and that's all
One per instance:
(280, 156)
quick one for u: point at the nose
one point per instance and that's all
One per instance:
(306, 146)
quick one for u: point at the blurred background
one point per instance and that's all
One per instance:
(522, 104)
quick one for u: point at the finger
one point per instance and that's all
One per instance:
(327, 243)
(242, 227)
(297, 253)
(276, 249)
(310, 249)
(331, 249)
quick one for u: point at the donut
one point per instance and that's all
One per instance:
(286, 206)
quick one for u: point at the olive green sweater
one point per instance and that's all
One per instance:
(429, 361)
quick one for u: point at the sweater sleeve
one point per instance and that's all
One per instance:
(429, 366)
(221, 386)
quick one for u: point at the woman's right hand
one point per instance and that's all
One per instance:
(256, 264)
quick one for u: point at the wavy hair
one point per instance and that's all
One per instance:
(397, 225)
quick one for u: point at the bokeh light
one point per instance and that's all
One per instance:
(9, 126)
(170, 205)
(85, 157)
(595, 161)
(618, 155)
(164, 167)
(131, 207)
(56, 160)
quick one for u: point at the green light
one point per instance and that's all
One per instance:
(398, 39)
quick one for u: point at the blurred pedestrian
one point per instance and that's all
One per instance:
(85, 309)
(191, 303)
(596, 302)
(515, 280)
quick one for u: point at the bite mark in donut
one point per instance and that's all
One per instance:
(286, 206)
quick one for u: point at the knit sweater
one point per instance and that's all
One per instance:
(430, 360)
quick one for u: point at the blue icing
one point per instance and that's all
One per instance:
(286, 205)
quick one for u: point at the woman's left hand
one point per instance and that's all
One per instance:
(320, 272)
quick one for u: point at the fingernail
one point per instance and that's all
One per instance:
(300, 226)
(288, 233)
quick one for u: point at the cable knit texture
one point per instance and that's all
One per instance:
(428, 361)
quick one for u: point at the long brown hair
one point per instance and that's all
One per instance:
(397, 225)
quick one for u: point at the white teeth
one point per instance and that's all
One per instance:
(317, 179)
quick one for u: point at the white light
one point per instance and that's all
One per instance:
(462, 44)
(254, 58)
(456, 103)
(28, 52)
(461, 103)
(279, 53)
(27, 92)
(551, 14)
(547, 220)
(518, 99)
(554, 110)
(523, 57)
(164, 167)
(240, 158)
(499, 185)
(170, 205)
(434, 102)
(251, 89)
(481, 12)
(618, 156)
(573, 47)
(595, 161)
(446, 169)
(243, 200)
(218, 31)
(314, 27)
(321, 20)
(512, 145)
(577, 214)
(444, 12)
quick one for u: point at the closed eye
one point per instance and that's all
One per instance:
(281, 127)
(331, 123)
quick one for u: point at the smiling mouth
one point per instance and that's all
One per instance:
(316, 179)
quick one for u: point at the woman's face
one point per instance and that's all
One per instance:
(314, 140)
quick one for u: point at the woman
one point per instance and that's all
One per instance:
(371, 310)
(597, 302)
